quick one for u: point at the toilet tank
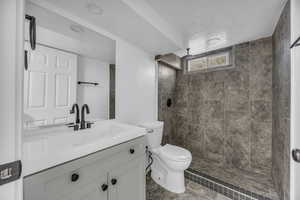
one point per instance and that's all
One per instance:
(154, 133)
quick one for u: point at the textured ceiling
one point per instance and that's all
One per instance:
(234, 21)
(164, 26)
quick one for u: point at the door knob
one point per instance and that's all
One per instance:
(296, 155)
(114, 181)
(104, 187)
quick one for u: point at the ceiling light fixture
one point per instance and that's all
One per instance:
(94, 9)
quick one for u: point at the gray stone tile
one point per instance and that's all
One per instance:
(212, 110)
(261, 110)
(193, 191)
(214, 141)
(237, 100)
(261, 69)
(261, 146)
(237, 147)
(212, 90)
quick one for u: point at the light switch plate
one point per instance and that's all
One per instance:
(10, 172)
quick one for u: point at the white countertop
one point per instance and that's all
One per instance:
(48, 147)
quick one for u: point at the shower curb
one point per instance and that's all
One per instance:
(226, 189)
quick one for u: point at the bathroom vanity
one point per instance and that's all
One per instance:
(106, 162)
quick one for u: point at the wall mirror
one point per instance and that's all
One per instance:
(70, 64)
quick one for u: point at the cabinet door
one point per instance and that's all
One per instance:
(60, 187)
(92, 191)
(127, 182)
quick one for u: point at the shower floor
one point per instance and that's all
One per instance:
(254, 182)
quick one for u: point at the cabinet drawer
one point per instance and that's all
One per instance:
(57, 182)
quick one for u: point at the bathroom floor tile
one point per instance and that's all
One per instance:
(193, 191)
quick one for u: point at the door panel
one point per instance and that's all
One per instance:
(130, 179)
(62, 62)
(50, 86)
(38, 59)
(37, 90)
(62, 90)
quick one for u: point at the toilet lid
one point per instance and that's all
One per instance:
(175, 153)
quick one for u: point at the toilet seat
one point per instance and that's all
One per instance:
(175, 153)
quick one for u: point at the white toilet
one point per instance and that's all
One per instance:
(169, 161)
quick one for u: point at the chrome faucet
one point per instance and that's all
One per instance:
(84, 108)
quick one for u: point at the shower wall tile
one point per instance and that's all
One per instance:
(166, 90)
(220, 106)
(212, 90)
(261, 146)
(261, 110)
(212, 110)
(281, 104)
(238, 139)
(214, 141)
(237, 99)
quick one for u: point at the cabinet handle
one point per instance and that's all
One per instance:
(131, 151)
(104, 187)
(114, 181)
(74, 177)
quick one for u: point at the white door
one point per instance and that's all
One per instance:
(11, 81)
(49, 86)
(295, 99)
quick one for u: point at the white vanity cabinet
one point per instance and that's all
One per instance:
(116, 173)
(127, 182)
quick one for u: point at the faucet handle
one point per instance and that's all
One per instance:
(75, 126)
(89, 124)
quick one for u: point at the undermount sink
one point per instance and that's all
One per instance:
(48, 147)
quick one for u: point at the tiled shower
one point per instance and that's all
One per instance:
(235, 121)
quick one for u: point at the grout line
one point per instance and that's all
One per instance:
(219, 187)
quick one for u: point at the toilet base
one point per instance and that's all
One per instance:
(168, 179)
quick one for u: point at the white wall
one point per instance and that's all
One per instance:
(136, 81)
(136, 93)
(97, 97)
(295, 96)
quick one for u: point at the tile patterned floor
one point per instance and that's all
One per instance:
(253, 182)
(193, 191)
